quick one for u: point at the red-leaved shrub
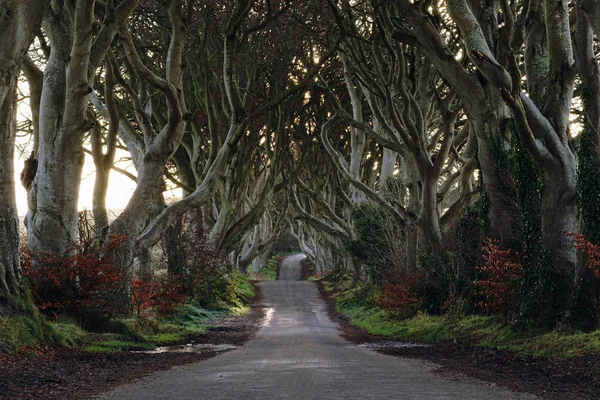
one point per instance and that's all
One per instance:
(590, 250)
(501, 277)
(77, 283)
(161, 295)
(401, 295)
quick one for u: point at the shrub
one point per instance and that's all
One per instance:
(590, 250)
(380, 243)
(402, 295)
(160, 295)
(80, 284)
(501, 279)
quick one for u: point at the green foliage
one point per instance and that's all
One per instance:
(588, 179)
(375, 243)
(586, 313)
(70, 334)
(537, 283)
(269, 272)
(220, 288)
(147, 333)
(29, 328)
(439, 277)
(364, 295)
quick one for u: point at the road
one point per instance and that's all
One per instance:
(298, 354)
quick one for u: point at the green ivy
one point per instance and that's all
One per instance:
(372, 246)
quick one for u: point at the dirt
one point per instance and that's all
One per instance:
(548, 378)
(74, 374)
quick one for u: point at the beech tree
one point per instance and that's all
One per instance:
(20, 20)
(76, 51)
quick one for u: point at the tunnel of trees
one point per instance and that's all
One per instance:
(449, 142)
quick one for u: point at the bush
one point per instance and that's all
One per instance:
(501, 280)
(380, 243)
(160, 295)
(82, 284)
(590, 250)
(440, 273)
(403, 295)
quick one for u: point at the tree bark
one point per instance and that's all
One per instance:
(52, 217)
(19, 20)
(10, 264)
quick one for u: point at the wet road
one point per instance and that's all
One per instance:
(298, 354)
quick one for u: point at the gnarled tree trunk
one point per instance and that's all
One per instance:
(19, 20)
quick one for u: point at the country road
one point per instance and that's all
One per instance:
(298, 354)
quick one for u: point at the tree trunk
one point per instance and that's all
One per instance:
(559, 217)
(410, 176)
(20, 19)
(357, 136)
(429, 224)
(52, 218)
(388, 165)
(10, 266)
(502, 211)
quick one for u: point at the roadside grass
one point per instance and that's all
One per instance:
(478, 330)
(115, 346)
(269, 272)
(17, 333)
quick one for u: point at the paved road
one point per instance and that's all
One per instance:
(298, 354)
(290, 270)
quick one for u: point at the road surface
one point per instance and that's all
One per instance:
(298, 354)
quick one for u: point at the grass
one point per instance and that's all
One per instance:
(115, 346)
(269, 272)
(484, 331)
(19, 332)
(148, 332)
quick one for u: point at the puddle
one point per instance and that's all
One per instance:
(189, 348)
(392, 345)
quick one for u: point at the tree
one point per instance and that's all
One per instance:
(20, 20)
(76, 51)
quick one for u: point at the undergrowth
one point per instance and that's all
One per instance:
(485, 331)
(145, 332)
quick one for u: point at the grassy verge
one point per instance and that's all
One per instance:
(17, 333)
(30, 328)
(478, 330)
(149, 332)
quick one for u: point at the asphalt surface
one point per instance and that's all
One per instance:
(298, 354)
